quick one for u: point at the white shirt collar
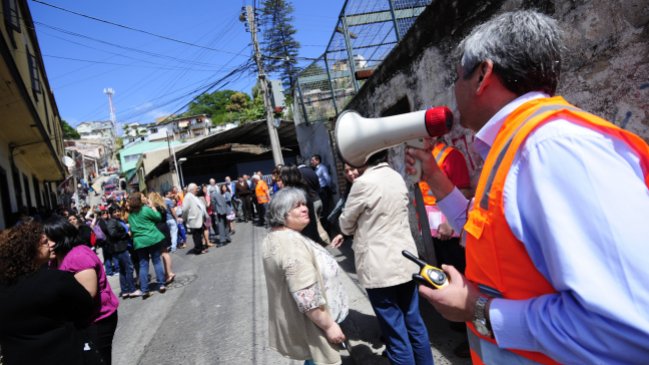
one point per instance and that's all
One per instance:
(485, 137)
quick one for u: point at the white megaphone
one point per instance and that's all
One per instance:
(359, 138)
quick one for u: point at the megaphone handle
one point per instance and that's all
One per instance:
(414, 179)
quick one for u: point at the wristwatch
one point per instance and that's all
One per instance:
(480, 320)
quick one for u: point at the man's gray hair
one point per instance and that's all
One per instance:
(525, 47)
(192, 187)
(283, 202)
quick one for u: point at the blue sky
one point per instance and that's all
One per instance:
(153, 77)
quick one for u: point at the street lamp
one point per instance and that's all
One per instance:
(180, 168)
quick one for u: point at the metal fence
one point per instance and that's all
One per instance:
(365, 33)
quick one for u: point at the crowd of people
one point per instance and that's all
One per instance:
(131, 231)
(545, 264)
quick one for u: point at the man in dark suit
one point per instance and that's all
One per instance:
(220, 209)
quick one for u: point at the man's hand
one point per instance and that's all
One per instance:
(444, 231)
(337, 241)
(439, 183)
(455, 302)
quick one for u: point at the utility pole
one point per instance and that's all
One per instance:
(263, 81)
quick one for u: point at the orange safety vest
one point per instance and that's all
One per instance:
(261, 190)
(440, 152)
(495, 259)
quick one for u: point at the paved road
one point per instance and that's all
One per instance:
(215, 312)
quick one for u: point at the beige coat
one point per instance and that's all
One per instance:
(289, 266)
(376, 214)
(193, 211)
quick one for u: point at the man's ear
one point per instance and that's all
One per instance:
(486, 75)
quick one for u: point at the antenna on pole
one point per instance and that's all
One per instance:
(111, 107)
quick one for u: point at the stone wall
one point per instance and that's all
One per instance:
(605, 69)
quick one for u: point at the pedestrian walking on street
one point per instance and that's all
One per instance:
(219, 212)
(376, 214)
(158, 202)
(245, 195)
(230, 215)
(263, 198)
(194, 215)
(172, 220)
(118, 238)
(204, 197)
(306, 299)
(147, 241)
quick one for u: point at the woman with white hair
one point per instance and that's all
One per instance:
(306, 299)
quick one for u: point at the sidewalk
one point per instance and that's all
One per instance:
(362, 328)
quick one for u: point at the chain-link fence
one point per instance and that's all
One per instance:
(365, 33)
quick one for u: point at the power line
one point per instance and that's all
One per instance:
(202, 90)
(141, 51)
(132, 29)
(200, 54)
(169, 68)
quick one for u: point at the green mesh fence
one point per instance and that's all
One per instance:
(365, 33)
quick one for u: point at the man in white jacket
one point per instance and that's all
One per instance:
(194, 215)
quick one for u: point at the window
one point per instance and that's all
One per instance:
(33, 71)
(18, 190)
(12, 17)
(27, 191)
(37, 192)
(4, 197)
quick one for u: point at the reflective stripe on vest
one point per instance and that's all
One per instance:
(495, 258)
(441, 151)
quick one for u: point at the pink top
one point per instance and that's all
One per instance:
(82, 258)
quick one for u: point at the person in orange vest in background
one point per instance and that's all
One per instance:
(452, 162)
(556, 237)
(263, 198)
(446, 241)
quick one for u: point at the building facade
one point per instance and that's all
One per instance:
(31, 143)
(97, 130)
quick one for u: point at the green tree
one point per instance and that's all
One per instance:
(228, 106)
(68, 131)
(211, 103)
(279, 45)
(255, 109)
(238, 102)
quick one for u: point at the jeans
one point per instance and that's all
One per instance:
(173, 231)
(143, 255)
(126, 281)
(397, 309)
(110, 263)
(182, 233)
